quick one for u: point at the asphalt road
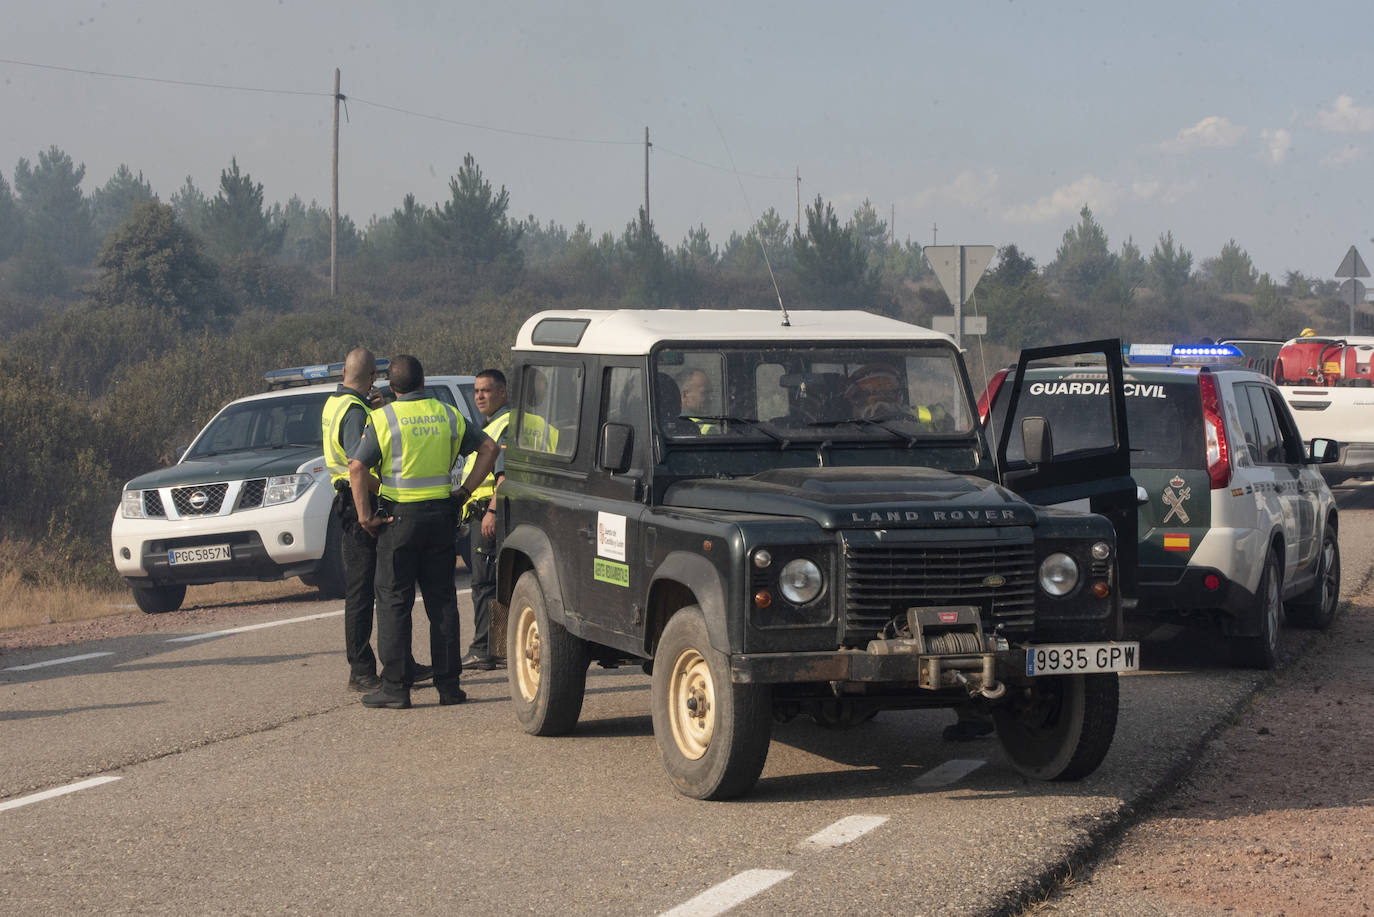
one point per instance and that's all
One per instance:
(248, 779)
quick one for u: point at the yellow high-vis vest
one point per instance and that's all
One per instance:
(419, 442)
(331, 422)
(496, 428)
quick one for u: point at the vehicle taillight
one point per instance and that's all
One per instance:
(990, 393)
(1218, 449)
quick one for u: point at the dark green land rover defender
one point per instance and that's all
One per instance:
(779, 514)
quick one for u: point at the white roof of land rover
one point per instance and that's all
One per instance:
(636, 331)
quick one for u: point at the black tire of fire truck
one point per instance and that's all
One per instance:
(1058, 727)
(713, 733)
(546, 665)
(1316, 608)
(158, 600)
(328, 577)
(1261, 651)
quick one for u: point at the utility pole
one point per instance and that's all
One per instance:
(892, 227)
(646, 175)
(934, 234)
(798, 200)
(334, 198)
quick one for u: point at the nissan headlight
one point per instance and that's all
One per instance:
(1058, 574)
(132, 505)
(285, 488)
(800, 581)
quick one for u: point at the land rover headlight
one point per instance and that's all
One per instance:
(1058, 574)
(800, 581)
(285, 488)
(132, 505)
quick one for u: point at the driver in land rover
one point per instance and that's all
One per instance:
(876, 390)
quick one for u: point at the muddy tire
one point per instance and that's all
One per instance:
(1261, 651)
(714, 734)
(158, 600)
(1058, 727)
(546, 666)
(1317, 608)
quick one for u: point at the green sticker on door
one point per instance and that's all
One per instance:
(608, 571)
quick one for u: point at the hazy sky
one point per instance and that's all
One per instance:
(995, 121)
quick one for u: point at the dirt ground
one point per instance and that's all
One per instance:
(1278, 815)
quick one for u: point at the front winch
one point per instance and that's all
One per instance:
(952, 648)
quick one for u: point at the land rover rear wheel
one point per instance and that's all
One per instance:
(157, 600)
(714, 734)
(1058, 727)
(546, 665)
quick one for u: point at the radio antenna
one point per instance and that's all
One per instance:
(786, 321)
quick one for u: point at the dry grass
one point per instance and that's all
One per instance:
(24, 605)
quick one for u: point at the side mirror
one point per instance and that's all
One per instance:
(1036, 441)
(616, 448)
(1323, 451)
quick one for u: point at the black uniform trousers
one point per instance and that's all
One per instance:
(416, 547)
(359, 553)
(481, 562)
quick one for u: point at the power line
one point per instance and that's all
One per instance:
(486, 127)
(155, 79)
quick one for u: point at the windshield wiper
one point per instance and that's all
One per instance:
(753, 423)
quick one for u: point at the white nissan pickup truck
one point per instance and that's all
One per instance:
(249, 499)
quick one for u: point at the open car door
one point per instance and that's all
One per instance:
(1062, 439)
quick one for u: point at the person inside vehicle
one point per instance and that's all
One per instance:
(695, 388)
(876, 391)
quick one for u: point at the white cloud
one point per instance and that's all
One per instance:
(1345, 117)
(1145, 190)
(1214, 131)
(1344, 156)
(968, 189)
(1278, 143)
(1099, 195)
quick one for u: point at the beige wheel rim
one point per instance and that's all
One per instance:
(526, 661)
(692, 704)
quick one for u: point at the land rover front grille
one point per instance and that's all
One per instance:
(882, 582)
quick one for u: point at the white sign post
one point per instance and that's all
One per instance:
(959, 268)
(1352, 266)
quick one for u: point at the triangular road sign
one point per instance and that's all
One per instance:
(946, 262)
(1353, 265)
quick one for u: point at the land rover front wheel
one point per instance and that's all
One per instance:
(713, 733)
(546, 665)
(157, 600)
(1058, 727)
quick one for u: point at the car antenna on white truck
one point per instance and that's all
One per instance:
(786, 322)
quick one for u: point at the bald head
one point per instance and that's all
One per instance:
(359, 366)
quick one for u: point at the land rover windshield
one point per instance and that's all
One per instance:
(813, 391)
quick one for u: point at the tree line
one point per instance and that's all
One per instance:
(126, 321)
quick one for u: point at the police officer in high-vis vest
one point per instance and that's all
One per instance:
(489, 392)
(342, 423)
(412, 443)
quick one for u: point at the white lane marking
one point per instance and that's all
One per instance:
(722, 897)
(50, 794)
(845, 830)
(949, 772)
(239, 630)
(187, 638)
(39, 665)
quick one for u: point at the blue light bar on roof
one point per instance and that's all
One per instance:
(1207, 353)
(305, 375)
(1143, 354)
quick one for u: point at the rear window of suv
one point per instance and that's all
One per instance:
(1163, 415)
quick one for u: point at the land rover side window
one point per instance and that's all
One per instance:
(622, 401)
(551, 401)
